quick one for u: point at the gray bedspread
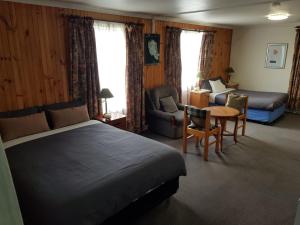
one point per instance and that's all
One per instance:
(86, 175)
(258, 99)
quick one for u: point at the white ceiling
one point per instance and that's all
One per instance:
(219, 12)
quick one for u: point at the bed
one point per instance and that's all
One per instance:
(89, 173)
(263, 107)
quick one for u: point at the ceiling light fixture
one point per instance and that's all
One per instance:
(278, 16)
(277, 12)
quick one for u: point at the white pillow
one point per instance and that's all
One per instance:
(217, 86)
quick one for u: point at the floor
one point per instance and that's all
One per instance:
(253, 182)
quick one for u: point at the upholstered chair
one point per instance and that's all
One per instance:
(164, 113)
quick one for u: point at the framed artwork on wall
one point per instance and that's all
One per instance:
(151, 49)
(276, 55)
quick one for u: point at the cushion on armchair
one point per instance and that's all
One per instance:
(168, 104)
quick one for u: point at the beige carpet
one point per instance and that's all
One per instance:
(254, 182)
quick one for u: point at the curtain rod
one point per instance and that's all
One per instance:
(105, 20)
(197, 30)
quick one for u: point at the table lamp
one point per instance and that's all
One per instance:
(229, 70)
(105, 93)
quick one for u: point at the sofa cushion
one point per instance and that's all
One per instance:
(168, 104)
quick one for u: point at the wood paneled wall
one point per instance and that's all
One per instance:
(33, 54)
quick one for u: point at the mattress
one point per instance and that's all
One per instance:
(87, 174)
(268, 101)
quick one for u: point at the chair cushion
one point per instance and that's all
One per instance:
(192, 126)
(236, 101)
(197, 117)
(156, 94)
(168, 104)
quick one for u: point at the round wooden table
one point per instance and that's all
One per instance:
(223, 113)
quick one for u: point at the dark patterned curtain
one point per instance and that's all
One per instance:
(134, 78)
(83, 67)
(294, 88)
(173, 58)
(206, 54)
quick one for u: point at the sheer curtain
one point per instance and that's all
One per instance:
(190, 43)
(111, 55)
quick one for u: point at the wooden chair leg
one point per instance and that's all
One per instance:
(236, 129)
(206, 144)
(244, 127)
(197, 139)
(216, 121)
(222, 121)
(184, 140)
(184, 144)
(225, 125)
(218, 137)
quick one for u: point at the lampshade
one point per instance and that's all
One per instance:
(229, 70)
(105, 93)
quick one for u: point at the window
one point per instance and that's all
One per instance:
(111, 55)
(190, 43)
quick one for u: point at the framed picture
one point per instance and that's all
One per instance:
(151, 49)
(276, 56)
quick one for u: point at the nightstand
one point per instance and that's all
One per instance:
(199, 98)
(117, 120)
(232, 85)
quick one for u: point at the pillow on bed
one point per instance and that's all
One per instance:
(217, 86)
(11, 128)
(60, 105)
(206, 85)
(69, 116)
(168, 104)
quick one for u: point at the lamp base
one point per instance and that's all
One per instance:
(107, 116)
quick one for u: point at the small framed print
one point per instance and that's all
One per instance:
(276, 55)
(151, 49)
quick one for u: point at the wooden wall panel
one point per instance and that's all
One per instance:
(33, 53)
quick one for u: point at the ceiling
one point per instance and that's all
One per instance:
(218, 12)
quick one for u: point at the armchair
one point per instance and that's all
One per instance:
(159, 121)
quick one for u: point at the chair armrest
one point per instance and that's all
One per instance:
(162, 115)
(180, 106)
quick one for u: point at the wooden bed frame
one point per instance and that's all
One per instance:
(145, 203)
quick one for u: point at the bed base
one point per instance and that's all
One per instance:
(148, 201)
(263, 116)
